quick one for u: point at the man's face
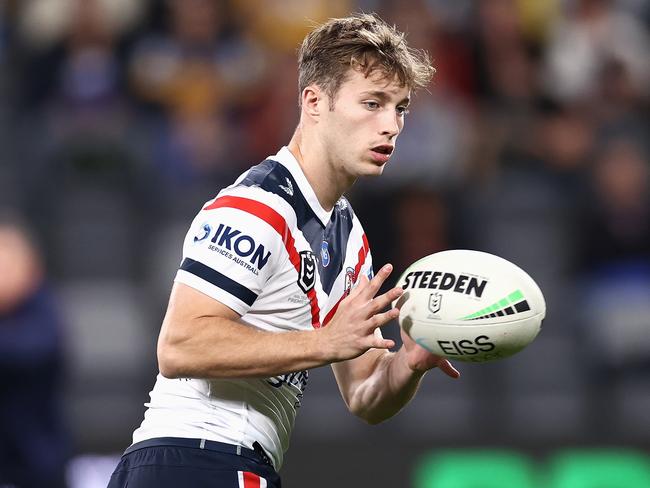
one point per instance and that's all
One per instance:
(359, 133)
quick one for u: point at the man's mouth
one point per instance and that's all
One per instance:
(384, 149)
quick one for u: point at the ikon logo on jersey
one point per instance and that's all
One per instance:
(231, 239)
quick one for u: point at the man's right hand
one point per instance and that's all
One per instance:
(351, 332)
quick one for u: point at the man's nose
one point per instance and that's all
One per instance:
(390, 125)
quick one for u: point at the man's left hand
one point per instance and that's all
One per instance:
(421, 360)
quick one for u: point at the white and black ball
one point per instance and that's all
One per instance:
(470, 305)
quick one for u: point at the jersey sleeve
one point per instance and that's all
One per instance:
(232, 249)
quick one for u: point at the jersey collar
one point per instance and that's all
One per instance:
(288, 160)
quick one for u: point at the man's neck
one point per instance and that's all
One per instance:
(326, 183)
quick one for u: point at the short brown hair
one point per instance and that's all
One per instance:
(363, 42)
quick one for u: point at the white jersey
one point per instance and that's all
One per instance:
(267, 249)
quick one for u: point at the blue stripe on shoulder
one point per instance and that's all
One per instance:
(275, 178)
(219, 280)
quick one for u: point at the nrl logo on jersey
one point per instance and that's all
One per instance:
(307, 272)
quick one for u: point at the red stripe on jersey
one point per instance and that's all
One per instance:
(363, 252)
(366, 248)
(331, 313)
(275, 220)
(361, 259)
(251, 480)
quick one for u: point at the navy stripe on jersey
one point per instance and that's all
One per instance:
(336, 235)
(275, 178)
(219, 280)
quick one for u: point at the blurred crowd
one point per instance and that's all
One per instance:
(119, 118)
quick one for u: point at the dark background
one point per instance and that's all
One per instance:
(118, 119)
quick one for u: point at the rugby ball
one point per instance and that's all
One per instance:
(469, 305)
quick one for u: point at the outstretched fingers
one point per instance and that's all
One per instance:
(378, 280)
(381, 319)
(382, 301)
(366, 310)
(360, 286)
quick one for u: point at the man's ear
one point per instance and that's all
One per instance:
(313, 101)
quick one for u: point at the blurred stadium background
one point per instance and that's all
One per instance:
(119, 118)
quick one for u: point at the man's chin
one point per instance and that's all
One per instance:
(374, 170)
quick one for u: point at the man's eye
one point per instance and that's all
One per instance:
(372, 105)
(402, 110)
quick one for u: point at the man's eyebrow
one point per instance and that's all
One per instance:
(383, 96)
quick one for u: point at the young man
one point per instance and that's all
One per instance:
(277, 278)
